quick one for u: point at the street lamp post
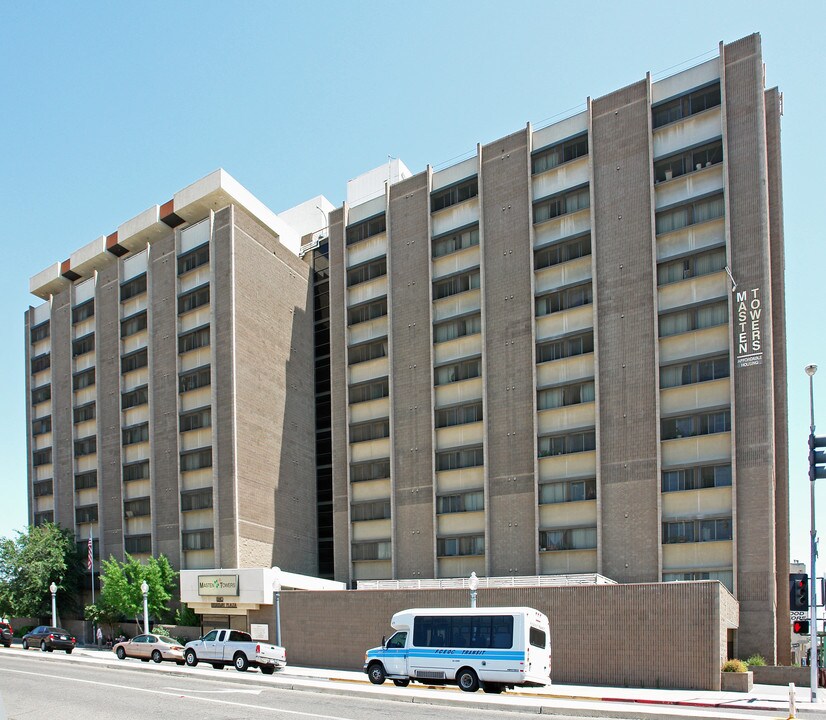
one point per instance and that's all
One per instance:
(810, 371)
(53, 590)
(145, 591)
(473, 584)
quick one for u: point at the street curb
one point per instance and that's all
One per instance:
(650, 708)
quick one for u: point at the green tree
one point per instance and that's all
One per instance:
(33, 560)
(121, 587)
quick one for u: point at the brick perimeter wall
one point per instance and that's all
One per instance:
(666, 635)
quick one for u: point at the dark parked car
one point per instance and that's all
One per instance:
(6, 634)
(49, 638)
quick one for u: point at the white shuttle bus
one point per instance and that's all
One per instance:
(493, 648)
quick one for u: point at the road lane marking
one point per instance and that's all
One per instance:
(215, 701)
(230, 690)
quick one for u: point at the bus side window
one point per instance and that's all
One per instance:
(397, 641)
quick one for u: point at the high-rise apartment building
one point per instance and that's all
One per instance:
(540, 362)
(564, 354)
(169, 376)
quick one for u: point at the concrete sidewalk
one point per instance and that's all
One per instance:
(578, 700)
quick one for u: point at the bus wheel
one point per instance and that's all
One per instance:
(401, 682)
(467, 680)
(493, 688)
(376, 673)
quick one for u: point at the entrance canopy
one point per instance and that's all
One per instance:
(236, 591)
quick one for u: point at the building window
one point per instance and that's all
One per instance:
(463, 370)
(196, 459)
(193, 340)
(134, 398)
(376, 510)
(562, 252)
(132, 288)
(366, 228)
(137, 544)
(41, 363)
(726, 577)
(574, 394)
(372, 551)
(550, 350)
(372, 470)
(367, 351)
(568, 491)
(455, 241)
(693, 425)
(584, 538)
(86, 514)
(564, 299)
(41, 426)
(193, 259)
(688, 161)
(367, 311)
(373, 430)
(84, 412)
(456, 459)
(455, 194)
(83, 311)
(459, 327)
(200, 499)
(40, 332)
(694, 372)
(198, 540)
(194, 379)
(83, 345)
(693, 213)
(41, 394)
(86, 480)
(86, 446)
(136, 434)
(696, 478)
(460, 546)
(136, 508)
(136, 471)
(686, 105)
(134, 361)
(193, 299)
(461, 502)
(41, 518)
(83, 379)
(456, 284)
(695, 318)
(373, 390)
(43, 488)
(195, 420)
(42, 457)
(566, 444)
(561, 204)
(563, 152)
(689, 531)
(689, 267)
(367, 271)
(133, 324)
(459, 415)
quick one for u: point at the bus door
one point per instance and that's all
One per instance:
(395, 654)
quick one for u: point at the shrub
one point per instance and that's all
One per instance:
(734, 666)
(756, 661)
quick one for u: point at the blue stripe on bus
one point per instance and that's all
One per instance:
(448, 653)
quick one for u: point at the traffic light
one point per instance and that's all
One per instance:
(801, 627)
(798, 591)
(817, 457)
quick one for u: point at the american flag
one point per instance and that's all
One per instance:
(89, 555)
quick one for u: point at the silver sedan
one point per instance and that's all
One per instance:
(151, 647)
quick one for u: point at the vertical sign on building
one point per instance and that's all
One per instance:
(748, 307)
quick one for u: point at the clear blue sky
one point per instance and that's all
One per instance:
(109, 108)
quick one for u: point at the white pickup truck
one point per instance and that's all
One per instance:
(220, 648)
